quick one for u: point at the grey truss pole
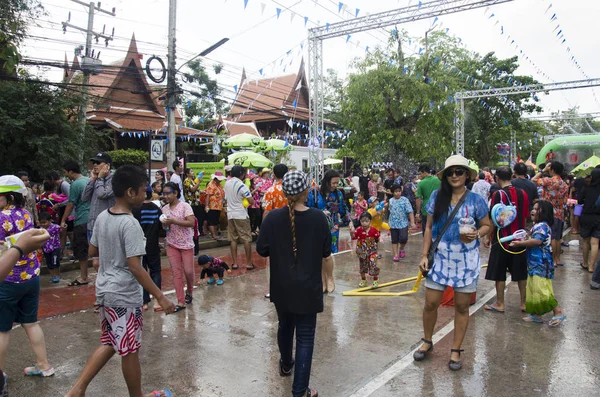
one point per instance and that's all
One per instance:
(384, 19)
(459, 135)
(506, 91)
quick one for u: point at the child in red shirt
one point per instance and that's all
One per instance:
(366, 248)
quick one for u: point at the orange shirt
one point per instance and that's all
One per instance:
(216, 193)
(274, 197)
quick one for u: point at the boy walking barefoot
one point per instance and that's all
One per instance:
(118, 241)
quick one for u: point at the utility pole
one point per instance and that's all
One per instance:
(89, 64)
(171, 85)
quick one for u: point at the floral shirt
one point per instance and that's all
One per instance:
(192, 198)
(256, 196)
(274, 198)
(556, 191)
(360, 206)
(16, 220)
(263, 184)
(54, 242)
(457, 264)
(216, 193)
(399, 210)
(366, 244)
(178, 236)
(373, 188)
(539, 259)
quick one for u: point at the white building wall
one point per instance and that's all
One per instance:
(299, 156)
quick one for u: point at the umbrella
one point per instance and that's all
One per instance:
(278, 145)
(331, 161)
(474, 166)
(242, 140)
(587, 166)
(249, 159)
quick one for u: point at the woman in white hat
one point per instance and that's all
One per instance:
(289, 236)
(457, 263)
(20, 290)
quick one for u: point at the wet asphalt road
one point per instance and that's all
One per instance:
(224, 344)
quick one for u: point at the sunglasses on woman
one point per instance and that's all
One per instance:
(456, 171)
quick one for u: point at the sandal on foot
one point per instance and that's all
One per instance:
(188, 299)
(158, 309)
(235, 266)
(455, 365)
(178, 308)
(251, 267)
(166, 392)
(493, 309)
(76, 283)
(35, 371)
(420, 355)
(557, 320)
(583, 266)
(311, 392)
(285, 370)
(533, 319)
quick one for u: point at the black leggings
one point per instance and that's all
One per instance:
(200, 214)
(255, 215)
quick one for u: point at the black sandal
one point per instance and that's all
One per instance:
(235, 266)
(285, 370)
(178, 308)
(455, 365)
(251, 267)
(420, 355)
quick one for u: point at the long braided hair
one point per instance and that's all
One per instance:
(292, 200)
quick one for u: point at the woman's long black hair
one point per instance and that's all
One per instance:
(326, 183)
(16, 199)
(444, 196)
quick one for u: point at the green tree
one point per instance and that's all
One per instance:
(333, 96)
(202, 104)
(14, 18)
(39, 128)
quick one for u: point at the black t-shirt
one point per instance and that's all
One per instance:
(148, 217)
(494, 187)
(363, 183)
(578, 187)
(295, 288)
(590, 198)
(387, 185)
(529, 187)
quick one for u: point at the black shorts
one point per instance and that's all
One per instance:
(53, 258)
(399, 236)
(589, 226)
(557, 229)
(213, 217)
(80, 242)
(501, 261)
(61, 212)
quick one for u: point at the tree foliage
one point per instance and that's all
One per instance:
(401, 105)
(202, 104)
(40, 129)
(14, 17)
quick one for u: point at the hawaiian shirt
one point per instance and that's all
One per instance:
(256, 196)
(556, 191)
(216, 193)
(482, 188)
(274, 198)
(263, 185)
(333, 203)
(54, 242)
(457, 264)
(539, 258)
(192, 198)
(366, 244)
(399, 210)
(16, 220)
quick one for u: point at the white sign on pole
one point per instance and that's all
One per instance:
(157, 149)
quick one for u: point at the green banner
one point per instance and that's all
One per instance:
(208, 169)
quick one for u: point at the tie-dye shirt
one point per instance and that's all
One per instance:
(457, 264)
(16, 220)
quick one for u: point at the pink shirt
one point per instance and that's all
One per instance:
(178, 236)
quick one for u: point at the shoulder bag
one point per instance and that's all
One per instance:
(433, 248)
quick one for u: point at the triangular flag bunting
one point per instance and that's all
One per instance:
(278, 12)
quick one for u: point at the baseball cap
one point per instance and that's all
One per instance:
(102, 157)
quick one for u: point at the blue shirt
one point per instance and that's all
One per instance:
(457, 264)
(539, 259)
(399, 210)
(334, 204)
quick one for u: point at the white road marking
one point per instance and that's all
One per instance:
(403, 363)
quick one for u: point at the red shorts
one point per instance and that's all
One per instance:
(122, 328)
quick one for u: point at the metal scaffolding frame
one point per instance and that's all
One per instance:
(317, 35)
(506, 91)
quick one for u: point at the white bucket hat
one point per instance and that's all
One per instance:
(11, 183)
(458, 161)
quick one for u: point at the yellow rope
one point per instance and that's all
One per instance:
(502, 245)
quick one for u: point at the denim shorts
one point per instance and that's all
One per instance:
(19, 303)
(467, 289)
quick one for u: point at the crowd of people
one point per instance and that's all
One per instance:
(115, 218)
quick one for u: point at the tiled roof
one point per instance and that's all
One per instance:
(234, 128)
